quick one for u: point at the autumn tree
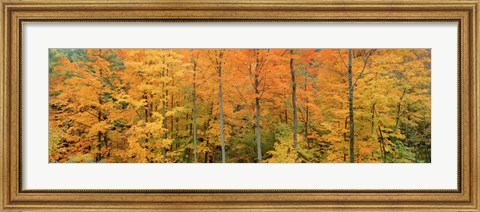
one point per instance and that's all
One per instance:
(294, 100)
(217, 58)
(351, 86)
(194, 97)
(82, 103)
(256, 62)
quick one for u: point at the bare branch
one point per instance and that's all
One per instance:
(340, 56)
(241, 95)
(365, 62)
(264, 86)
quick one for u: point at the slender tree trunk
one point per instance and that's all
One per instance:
(164, 117)
(294, 101)
(257, 128)
(220, 102)
(399, 107)
(350, 106)
(382, 144)
(306, 112)
(194, 111)
(372, 128)
(372, 123)
(172, 118)
(99, 147)
(177, 123)
(306, 129)
(190, 129)
(172, 106)
(105, 142)
(206, 154)
(407, 140)
(99, 135)
(256, 81)
(187, 118)
(145, 97)
(346, 127)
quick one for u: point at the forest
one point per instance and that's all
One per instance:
(239, 105)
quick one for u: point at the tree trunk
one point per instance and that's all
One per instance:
(257, 128)
(99, 134)
(206, 154)
(194, 111)
(164, 117)
(306, 113)
(399, 107)
(145, 97)
(98, 156)
(172, 123)
(256, 81)
(346, 127)
(187, 117)
(350, 106)
(105, 142)
(294, 101)
(382, 145)
(372, 128)
(220, 103)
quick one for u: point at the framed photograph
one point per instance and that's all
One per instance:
(239, 105)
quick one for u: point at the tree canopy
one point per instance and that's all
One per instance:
(239, 105)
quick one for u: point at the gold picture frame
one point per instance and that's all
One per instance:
(15, 13)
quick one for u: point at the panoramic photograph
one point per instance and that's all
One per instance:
(239, 105)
